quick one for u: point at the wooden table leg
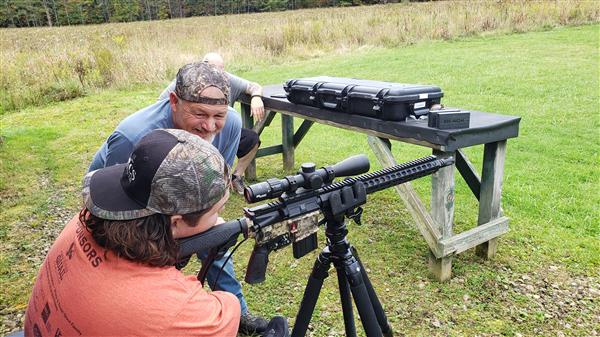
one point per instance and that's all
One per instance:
(491, 192)
(442, 212)
(287, 140)
(248, 123)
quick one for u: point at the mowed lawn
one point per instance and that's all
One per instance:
(545, 277)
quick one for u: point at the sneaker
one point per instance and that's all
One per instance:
(278, 327)
(237, 183)
(250, 324)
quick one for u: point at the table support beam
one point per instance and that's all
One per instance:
(468, 172)
(261, 125)
(270, 150)
(474, 236)
(424, 223)
(490, 207)
(287, 140)
(298, 136)
(302, 131)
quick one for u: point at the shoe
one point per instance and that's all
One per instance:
(237, 183)
(250, 324)
(278, 327)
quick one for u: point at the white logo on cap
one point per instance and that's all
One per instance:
(130, 170)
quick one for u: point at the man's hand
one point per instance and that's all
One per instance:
(257, 108)
(219, 221)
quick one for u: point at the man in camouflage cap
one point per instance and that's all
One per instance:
(198, 105)
(249, 139)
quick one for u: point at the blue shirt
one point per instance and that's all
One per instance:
(120, 143)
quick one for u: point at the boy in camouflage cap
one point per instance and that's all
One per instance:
(111, 271)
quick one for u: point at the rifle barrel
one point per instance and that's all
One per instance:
(394, 175)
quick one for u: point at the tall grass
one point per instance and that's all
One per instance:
(52, 64)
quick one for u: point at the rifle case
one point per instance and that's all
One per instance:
(382, 100)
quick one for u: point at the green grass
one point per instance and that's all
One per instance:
(550, 191)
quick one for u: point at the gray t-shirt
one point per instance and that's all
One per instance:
(237, 85)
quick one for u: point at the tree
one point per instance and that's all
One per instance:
(47, 10)
(28, 13)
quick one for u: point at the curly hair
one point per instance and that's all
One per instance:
(147, 240)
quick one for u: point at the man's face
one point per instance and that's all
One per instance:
(204, 120)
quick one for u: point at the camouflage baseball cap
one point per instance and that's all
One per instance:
(169, 172)
(194, 77)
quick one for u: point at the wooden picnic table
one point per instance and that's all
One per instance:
(487, 129)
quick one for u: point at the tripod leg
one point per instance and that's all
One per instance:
(311, 293)
(346, 299)
(379, 313)
(352, 269)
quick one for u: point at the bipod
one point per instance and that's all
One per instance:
(353, 282)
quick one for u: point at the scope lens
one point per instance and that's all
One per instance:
(248, 194)
(257, 192)
(271, 188)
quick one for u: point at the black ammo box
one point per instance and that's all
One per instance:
(382, 100)
(449, 119)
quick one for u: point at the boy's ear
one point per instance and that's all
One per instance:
(176, 222)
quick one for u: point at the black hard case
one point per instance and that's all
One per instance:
(382, 100)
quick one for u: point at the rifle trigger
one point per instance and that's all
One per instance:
(355, 215)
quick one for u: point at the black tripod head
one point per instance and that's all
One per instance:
(308, 178)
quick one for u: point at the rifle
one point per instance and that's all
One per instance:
(294, 217)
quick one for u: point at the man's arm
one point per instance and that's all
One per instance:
(239, 86)
(118, 149)
(254, 88)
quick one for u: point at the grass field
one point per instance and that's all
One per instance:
(42, 65)
(545, 280)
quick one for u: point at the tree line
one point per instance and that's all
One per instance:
(36, 13)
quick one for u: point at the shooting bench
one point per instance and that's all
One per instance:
(491, 130)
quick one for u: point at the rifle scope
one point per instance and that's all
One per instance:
(307, 178)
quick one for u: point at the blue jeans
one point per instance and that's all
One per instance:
(226, 281)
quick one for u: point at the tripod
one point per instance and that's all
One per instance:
(352, 278)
